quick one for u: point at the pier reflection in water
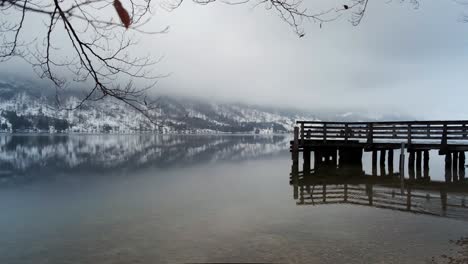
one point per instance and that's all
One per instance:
(343, 181)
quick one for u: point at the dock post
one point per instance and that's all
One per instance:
(390, 162)
(317, 159)
(370, 133)
(302, 134)
(448, 167)
(455, 166)
(306, 158)
(443, 142)
(382, 162)
(346, 131)
(418, 164)
(374, 162)
(461, 165)
(426, 164)
(334, 157)
(411, 164)
(382, 157)
(324, 132)
(402, 167)
(409, 135)
(295, 151)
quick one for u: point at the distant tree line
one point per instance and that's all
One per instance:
(41, 122)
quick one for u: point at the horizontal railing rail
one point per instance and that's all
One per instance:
(407, 131)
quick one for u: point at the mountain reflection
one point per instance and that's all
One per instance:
(349, 184)
(24, 157)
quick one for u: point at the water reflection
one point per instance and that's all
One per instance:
(349, 184)
(25, 157)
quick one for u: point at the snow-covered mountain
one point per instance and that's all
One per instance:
(24, 108)
(29, 107)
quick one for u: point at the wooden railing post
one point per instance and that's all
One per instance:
(409, 134)
(444, 136)
(302, 133)
(324, 132)
(346, 131)
(370, 133)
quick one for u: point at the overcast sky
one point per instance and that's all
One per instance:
(399, 59)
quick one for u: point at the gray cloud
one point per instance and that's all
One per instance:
(399, 59)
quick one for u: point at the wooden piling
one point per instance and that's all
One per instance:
(382, 157)
(306, 164)
(374, 162)
(461, 165)
(426, 164)
(370, 133)
(317, 159)
(382, 162)
(402, 160)
(334, 157)
(418, 164)
(411, 160)
(295, 151)
(448, 167)
(390, 162)
(455, 166)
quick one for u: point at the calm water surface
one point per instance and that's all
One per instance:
(179, 199)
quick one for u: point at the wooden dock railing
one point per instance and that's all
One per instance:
(406, 131)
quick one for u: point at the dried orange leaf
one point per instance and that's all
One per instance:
(123, 14)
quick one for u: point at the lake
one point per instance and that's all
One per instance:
(179, 199)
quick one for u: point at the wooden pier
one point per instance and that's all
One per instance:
(344, 143)
(336, 175)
